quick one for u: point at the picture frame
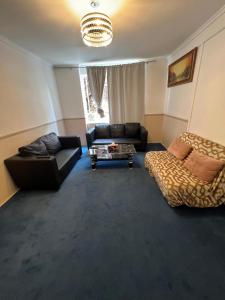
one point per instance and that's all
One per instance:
(182, 70)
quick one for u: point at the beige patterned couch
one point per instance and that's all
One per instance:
(178, 185)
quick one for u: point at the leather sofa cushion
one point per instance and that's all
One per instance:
(64, 156)
(102, 131)
(117, 130)
(117, 141)
(51, 142)
(132, 130)
(35, 148)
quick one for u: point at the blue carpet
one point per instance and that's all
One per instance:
(109, 235)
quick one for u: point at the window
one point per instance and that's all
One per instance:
(90, 108)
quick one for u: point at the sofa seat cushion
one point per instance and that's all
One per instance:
(51, 142)
(117, 141)
(117, 130)
(64, 156)
(177, 183)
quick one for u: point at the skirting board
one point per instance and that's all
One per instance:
(9, 197)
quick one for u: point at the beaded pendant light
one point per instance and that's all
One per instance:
(96, 28)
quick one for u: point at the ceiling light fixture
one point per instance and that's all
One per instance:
(96, 28)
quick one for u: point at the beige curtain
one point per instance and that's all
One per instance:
(96, 80)
(126, 88)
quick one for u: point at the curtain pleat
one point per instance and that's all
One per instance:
(96, 81)
(126, 91)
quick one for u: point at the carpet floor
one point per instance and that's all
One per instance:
(109, 235)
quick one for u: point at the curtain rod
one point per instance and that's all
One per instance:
(84, 67)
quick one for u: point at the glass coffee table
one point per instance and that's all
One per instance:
(101, 153)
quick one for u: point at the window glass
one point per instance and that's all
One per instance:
(90, 108)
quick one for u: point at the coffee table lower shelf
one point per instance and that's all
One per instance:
(101, 153)
(94, 161)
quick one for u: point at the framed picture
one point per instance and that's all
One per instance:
(182, 70)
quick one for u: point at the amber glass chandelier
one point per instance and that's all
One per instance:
(96, 29)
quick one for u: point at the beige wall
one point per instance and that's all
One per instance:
(172, 127)
(207, 117)
(69, 90)
(28, 96)
(154, 124)
(76, 126)
(201, 102)
(29, 105)
(155, 86)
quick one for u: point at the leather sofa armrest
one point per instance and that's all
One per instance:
(90, 136)
(70, 142)
(34, 171)
(144, 137)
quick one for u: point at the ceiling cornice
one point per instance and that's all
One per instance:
(201, 29)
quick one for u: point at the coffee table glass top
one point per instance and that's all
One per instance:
(101, 152)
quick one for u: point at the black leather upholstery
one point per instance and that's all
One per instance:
(117, 130)
(37, 172)
(144, 137)
(70, 142)
(65, 160)
(102, 131)
(132, 130)
(133, 133)
(90, 137)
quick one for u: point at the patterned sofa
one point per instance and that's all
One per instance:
(178, 185)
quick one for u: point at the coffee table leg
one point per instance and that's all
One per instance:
(130, 162)
(93, 163)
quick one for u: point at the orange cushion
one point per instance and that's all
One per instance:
(202, 166)
(179, 149)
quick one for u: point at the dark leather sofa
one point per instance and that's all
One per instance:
(45, 163)
(129, 133)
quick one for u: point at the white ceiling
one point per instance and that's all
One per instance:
(142, 28)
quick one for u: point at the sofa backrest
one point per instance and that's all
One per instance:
(117, 130)
(48, 144)
(204, 146)
(102, 131)
(132, 130)
(129, 130)
(214, 150)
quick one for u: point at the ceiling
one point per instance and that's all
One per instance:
(142, 28)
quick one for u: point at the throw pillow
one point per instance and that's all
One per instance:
(179, 149)
(202, 166)
(35, 148)
(51, 142)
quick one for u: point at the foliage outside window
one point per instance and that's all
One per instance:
(92, 115)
